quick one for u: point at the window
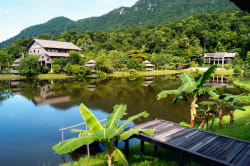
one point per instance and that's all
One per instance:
(34, 51)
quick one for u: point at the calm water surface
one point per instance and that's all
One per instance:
(32, 112)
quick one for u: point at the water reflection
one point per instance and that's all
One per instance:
(32, 112)
(219, 80)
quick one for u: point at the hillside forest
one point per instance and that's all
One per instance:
(173, 45)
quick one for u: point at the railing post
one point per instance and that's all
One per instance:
(62, 135)
(88, 145)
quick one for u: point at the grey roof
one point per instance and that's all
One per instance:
(220, 55)
(91, 61)
(56, 44)
(89, 65)
(146, 62)
(16, 63)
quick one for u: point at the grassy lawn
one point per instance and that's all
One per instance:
(241, 127)
(53, 76)
(243, 83)
(224, 72)
(115, 74)
(140, 73)
(161, 158)
(11, 77)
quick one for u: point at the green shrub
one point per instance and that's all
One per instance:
(78, 71)
(227, 66)
(237, 70)
(45, 69)
(193, 64)
(56, 68)
(195, 73)
(124, 69)
(101, 74)
(172, 67)
(132, 72)
(247, 73)
(68, 69)
(30, 65)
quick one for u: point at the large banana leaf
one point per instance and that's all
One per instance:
(72, 144)
(118, 157)
(189, 84)
(105, 133)
(90, 119)
(233, 107)
(165, 93)
(125, 135)
(205, 76)
(113, 118)
(131, 119)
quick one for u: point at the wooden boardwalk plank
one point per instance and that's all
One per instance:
(210, 146)
(243, 157)
(177, 135)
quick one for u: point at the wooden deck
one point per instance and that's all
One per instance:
(204, 146)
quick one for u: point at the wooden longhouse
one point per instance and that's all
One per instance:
(48, 49)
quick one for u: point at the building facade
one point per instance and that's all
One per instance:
(219, 58)
(48, 49)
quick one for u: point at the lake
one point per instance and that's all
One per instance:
(32, 112)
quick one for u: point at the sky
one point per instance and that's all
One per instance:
(15, 15)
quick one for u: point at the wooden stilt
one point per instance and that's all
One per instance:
(116, 143)
(127, 149)
(142, 148)
(155, 149)
(181, 158)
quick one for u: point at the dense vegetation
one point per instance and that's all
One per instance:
(176, 44)
(144, 12)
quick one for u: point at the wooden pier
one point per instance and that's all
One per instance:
(192, 143)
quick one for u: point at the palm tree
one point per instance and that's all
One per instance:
(106, 134)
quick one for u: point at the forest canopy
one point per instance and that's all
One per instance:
(182, 41)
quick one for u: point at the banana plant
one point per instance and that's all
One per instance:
(106, 134)
(226, 101)
(207, 113)
(190, 90)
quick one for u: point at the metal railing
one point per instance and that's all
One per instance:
(77, 125)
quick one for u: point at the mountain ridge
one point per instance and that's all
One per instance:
(143, 12)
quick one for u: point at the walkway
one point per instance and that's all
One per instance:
(193, 143)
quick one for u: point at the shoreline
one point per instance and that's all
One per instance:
(114, 75)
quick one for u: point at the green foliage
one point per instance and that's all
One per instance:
(106, 134)
(132, 72)
(29, 65)
(101, 74)
(189, 90)
(247, 73)
(5, 58)
(172, 44)
(68, 69)
(237, 70)
(56, 68)
(163, 12)
(227, 66)
(78, 71)
(45, 70)
(60, 61)
(75, 58)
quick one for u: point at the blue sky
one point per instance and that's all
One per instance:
(16, 15)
